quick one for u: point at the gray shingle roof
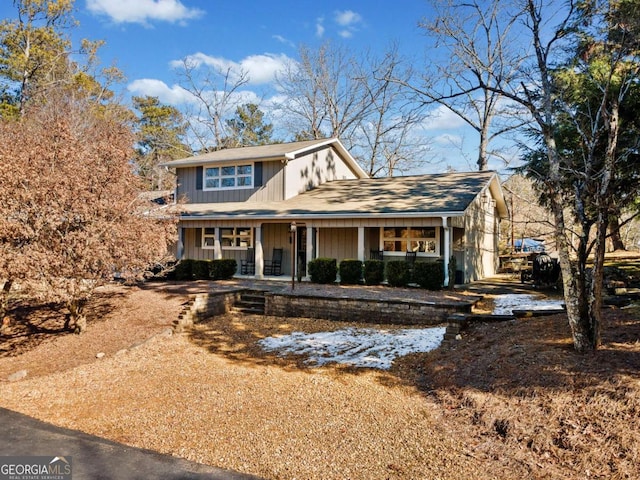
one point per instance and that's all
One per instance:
(260, 152)
(449, 193)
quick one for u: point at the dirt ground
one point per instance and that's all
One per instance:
(508, 400)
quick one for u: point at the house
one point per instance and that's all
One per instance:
(246, 200)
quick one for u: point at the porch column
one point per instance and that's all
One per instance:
(217, 248)
(361, 256)
(447, 248)
(258, 252)
(309, 250)
(180, 244)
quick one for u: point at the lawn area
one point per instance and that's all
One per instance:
(507, 400)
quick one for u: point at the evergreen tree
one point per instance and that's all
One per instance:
(160, 133)
(248, 127)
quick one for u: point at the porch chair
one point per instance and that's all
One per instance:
(274, 266)
(248, 264)
(376, 255)
(410, 258)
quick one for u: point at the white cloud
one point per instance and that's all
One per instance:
(448, 139)
(284, 40)
(319, 27)
(178, 96)
(349, 21)
(441, 118)
(260, 69)
(174, 95)
(143, 11)
(347, 18)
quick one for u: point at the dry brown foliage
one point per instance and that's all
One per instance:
(71, 213)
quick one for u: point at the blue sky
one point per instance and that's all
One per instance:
(145, 38)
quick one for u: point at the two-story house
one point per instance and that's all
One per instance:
(247, 199)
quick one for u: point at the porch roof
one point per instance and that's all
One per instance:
(420, 195)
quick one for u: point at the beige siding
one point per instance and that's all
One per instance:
(338, 243)
(271, 189)
(481, 239)
(314, 168)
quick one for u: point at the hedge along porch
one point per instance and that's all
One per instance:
(214, 240)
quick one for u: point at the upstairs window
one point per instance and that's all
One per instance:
(423, 240)
(228, 177)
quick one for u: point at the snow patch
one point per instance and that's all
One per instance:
(506, 304)
(358, 347)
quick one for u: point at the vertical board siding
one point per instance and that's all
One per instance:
(314, 168)
(269, 189)
(276, 235)
(338, 243)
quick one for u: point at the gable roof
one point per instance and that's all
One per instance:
(447, 194)
(276, 151)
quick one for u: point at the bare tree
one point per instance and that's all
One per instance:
(331, 92)
(581, 189)
(71, 214)
(216, 93)
(473, 54)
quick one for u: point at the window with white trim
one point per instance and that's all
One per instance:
(227, 177)
(235, 238)
(209, 238)
(423, 240)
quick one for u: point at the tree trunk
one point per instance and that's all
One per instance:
(4, 299)
(614, 231)
(76, 320)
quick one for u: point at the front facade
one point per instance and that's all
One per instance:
(246, 201)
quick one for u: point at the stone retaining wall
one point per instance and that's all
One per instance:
(205, 305)
(364, 310)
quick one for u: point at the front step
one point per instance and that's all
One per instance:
(251, 303)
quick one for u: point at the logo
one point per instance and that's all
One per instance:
(35, 468)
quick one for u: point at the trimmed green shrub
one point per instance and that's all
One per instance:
(184, 269)
(373, 272)
(429, 275)
(398, 273)
(350, 272)
(323, 270)
(200, 269)
(223, 269)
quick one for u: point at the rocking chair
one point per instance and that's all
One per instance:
(274, 266)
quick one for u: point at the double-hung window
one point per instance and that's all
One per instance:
(423, 240)
(229, 176)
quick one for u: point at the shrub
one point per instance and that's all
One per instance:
(350, 272)
(429, 275)
(223, 269)
(184, 269)
(323, 270)
(373, 272)
(397, 273)
(200, 269)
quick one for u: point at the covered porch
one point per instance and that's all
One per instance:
(254, 244)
